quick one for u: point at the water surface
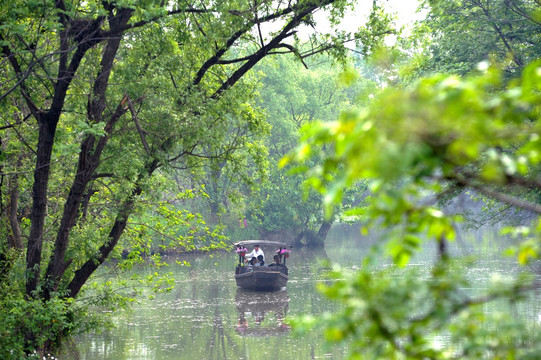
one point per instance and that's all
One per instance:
(207, 317)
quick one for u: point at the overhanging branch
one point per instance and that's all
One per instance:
(505, 198)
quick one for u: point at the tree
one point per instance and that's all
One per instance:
(480, 133)
(464, 33)
(293, 95)
(102, 98)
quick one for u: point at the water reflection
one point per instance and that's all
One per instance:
(261, 313)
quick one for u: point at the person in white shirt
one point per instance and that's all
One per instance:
(255, 253)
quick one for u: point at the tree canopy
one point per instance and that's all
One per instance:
(464, 33)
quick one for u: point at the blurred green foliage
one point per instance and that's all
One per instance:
(479, 132)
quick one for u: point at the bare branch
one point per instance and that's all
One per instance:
(505, 198)
(138, 126)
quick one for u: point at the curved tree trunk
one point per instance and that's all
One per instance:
(88, 268)
(323, 231)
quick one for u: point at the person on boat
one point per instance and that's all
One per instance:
(255, 253)
(259, 317)
(253, 261)
(276, 261)
(261, 261)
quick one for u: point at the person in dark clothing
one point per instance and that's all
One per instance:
(276, 261)
(261, 261)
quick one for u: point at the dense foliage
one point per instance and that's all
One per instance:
(480, 132)
(103, 104)
(459, 34)
(293, 95)
(445, 132)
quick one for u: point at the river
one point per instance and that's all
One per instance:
(207, 317)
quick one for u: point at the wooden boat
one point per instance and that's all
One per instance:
(266, 278)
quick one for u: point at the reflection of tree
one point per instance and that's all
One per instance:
(217, 340)
(267, 309)
(314, 254)
(217, 336)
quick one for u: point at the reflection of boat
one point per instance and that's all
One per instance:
(267, 311)
(262, 277)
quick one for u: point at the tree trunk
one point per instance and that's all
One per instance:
(88, 268)
(47, 128)
(15, 240)
(89, 159)
(216, 197)
(323, 231)
(47, 123)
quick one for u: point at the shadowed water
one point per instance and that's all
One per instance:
(207, 317)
